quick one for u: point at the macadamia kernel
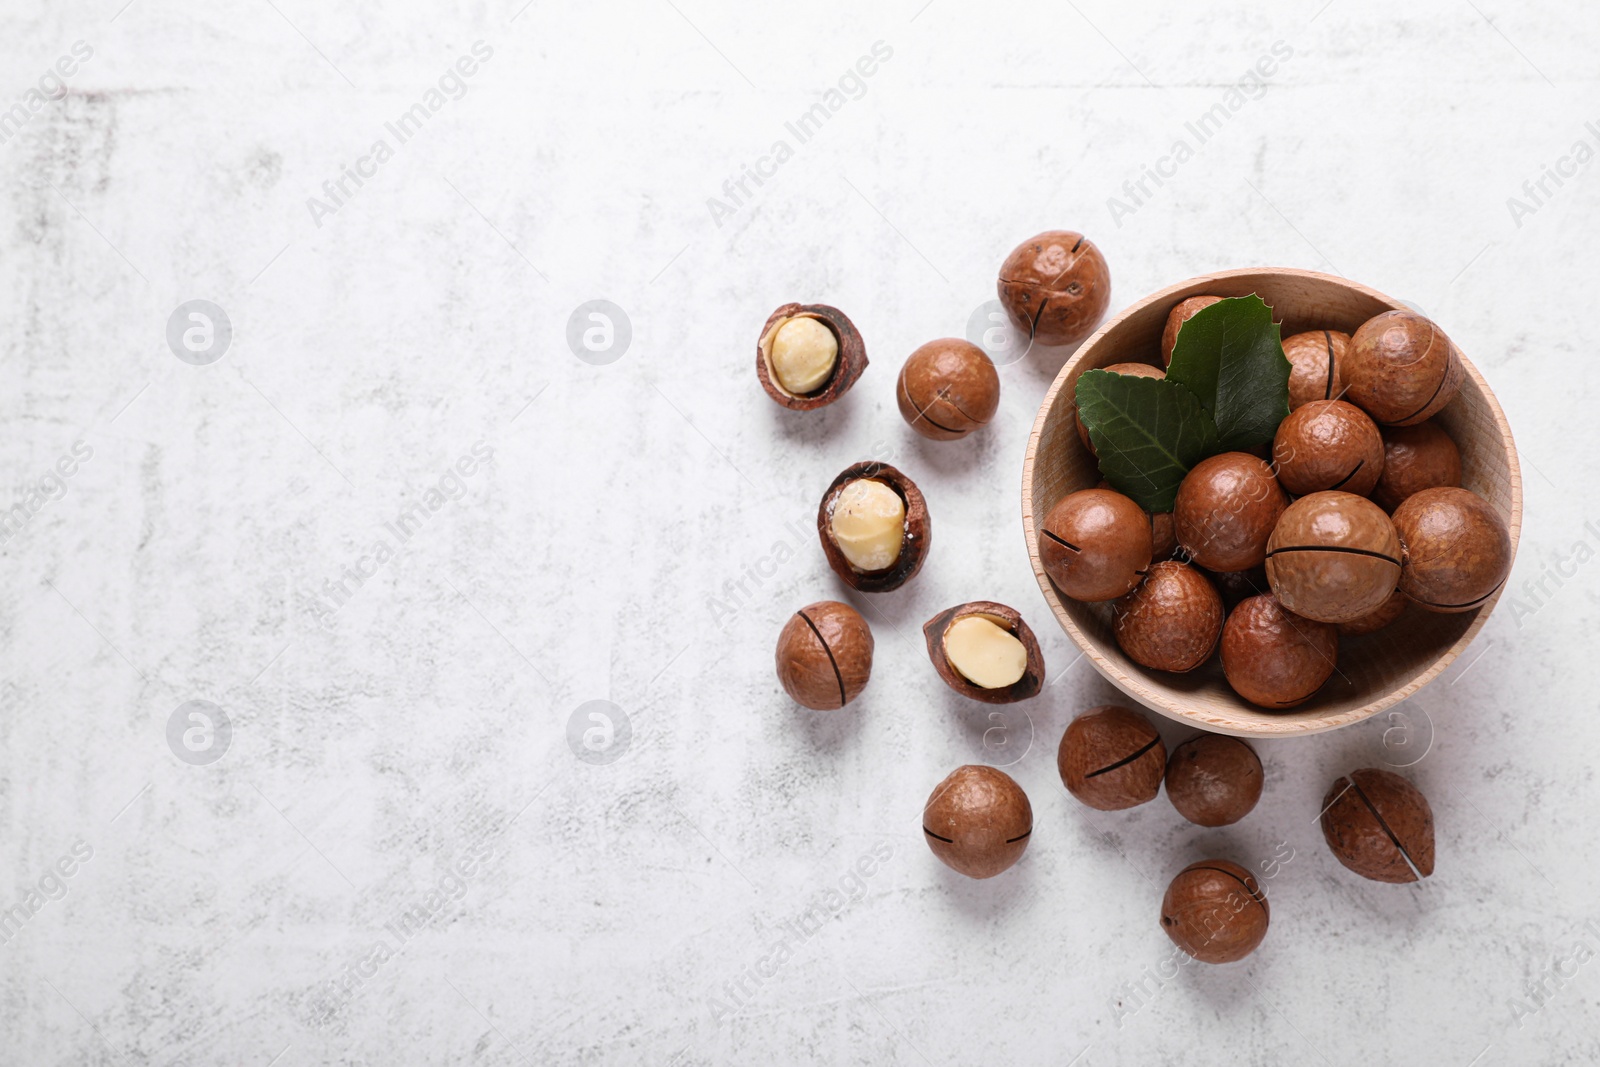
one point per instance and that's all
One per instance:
(985, 653)
(804, 353)
(868, 524)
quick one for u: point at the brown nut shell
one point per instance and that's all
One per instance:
(1096, 544)
(1380, 826)
(1055, 287)
(1133, 370)
(1385, 614)
(977, 821)
(851, 362)
(1273, 658)
(1314, 361)
(825, 655)
(947, 389)
(1457, 549)
(1171, 622)
(1401, 368)
(1226, 509)
(1333, 557)
(918, 529)
(1111, 758)
(1415, 458)
(1008, 619)
(1328, 444)
(1234, 586)
(1215, 911)
(1214, 780)
(1182, 313)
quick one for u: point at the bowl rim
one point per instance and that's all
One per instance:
(1137, 686)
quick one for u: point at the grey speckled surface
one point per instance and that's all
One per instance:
(639, 531)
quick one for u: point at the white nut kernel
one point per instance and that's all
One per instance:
(804, 353)
(985, 654)
(868, 524)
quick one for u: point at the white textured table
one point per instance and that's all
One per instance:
(398, 533)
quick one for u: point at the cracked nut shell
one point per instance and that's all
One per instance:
(1186, 310)
(1171, 622)
(1328, 444)
(1333, 557)
(1111, 758)
(1226, 509)
(825, 655)
(1401, 368)
(1457, 549)
(977, 821)
(1415, 458)
(947, 389)
(1314, 361)
(1055, 287)
(1215, 911)
(848, 365)
(1379, 825)
(1133, 370)
(1096, 544)
(1273, 658)
(1214, 780)
(917, 529)
(934, 632)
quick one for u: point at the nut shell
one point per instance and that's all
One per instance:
(1111, 758)
(1328, 444)
(1179, 315)
(1215, 911)
(825, 655)
(977, 821)
(1009, 619)
(1055, 287)
(1415, 458)
(947, 389)
(1171, 622)
(1457, 549)
(1375, 822)
(1214, 780)
(1226, 509)
(1315, 358)
(1096, 544)
(1134, 370)
(1401, 368)
(852, 356)
(1273, 658)
(918, 529)
(1373, 621)
(1333, 557)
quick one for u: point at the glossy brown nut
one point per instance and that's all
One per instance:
(1055, 287)
(977, 821)
(852, 358)
(1314, 361)
(1171, 622)
(1214, 780)
(1096, 544)
(1415, 458)
(1111, 758)
(1373, 621)
(1275, 659)
(947, 389)
(1215, 911)
(1134, 370)
(1008, 619)
(918, 529)
(1380, 826)
(1401, 368)
(1328, 444)
(1226, 509)
(1186, 310)
(1333, 557)
(1234, 586)
(825, 655)
(1457, 549)
(1163, 537)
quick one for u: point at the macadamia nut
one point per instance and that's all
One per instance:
(985, 653)
(804, 353)
(869, 524)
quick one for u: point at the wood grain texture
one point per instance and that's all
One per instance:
(1375, 671)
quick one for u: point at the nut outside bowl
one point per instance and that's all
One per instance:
(1375, 671)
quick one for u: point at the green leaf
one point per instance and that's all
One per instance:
(1230, 355)
(1148, 432)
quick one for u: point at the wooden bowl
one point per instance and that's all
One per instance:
(1376, 671)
